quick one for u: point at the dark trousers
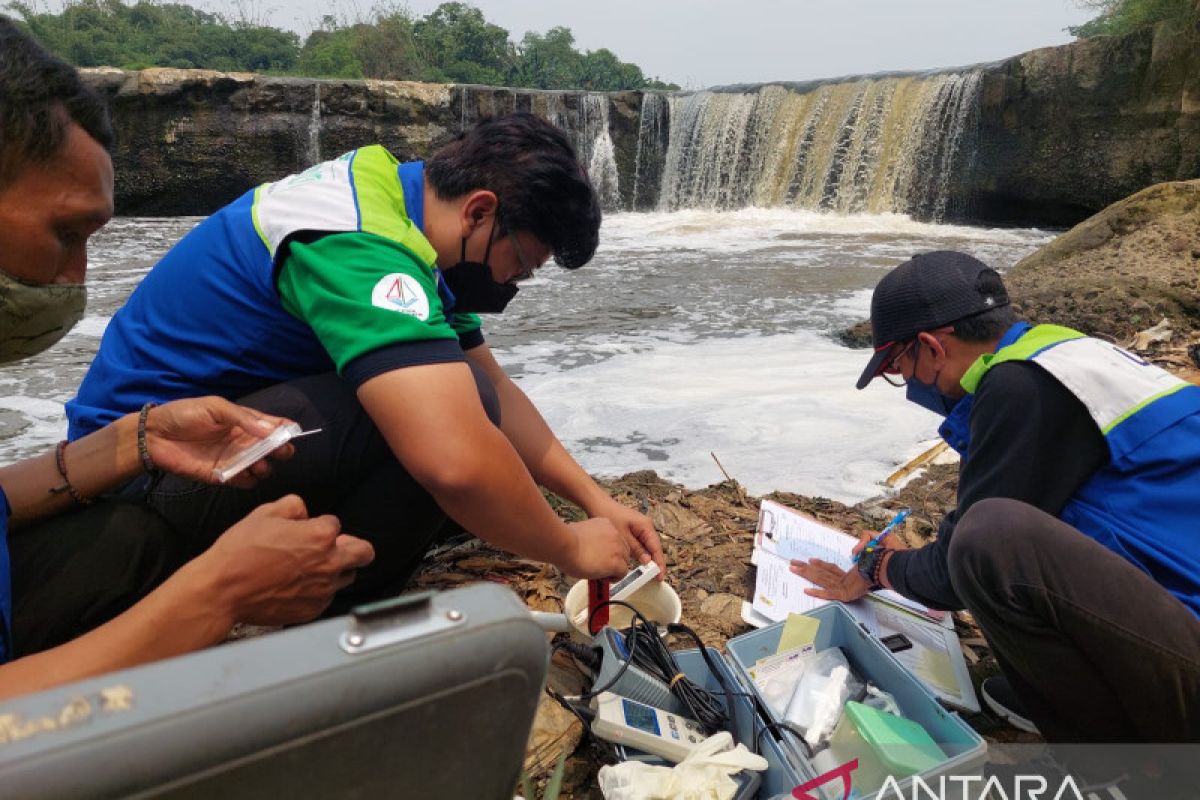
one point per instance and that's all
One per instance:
(74, 572)
(347, 470)
(1094, 647)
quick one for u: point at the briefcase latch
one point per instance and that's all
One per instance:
(400, 619)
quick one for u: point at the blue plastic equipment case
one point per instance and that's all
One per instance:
(964, 748)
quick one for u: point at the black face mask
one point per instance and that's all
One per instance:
(473, 287)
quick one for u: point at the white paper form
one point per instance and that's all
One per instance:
(787, 534)
(778, 591)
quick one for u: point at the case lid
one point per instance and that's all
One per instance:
(902, 745)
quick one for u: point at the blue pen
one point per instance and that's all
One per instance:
(896, 520)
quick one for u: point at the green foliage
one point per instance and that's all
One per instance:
(330, 54)
(93, 33)
(549, 60)
(454, 43)
(1123, 16)
(463, 47)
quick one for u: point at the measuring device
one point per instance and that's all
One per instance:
(621, 590)
(627, 722)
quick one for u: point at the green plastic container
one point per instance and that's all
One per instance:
(884, 744)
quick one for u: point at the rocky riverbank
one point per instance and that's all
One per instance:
(1133, 266)
(1125, 269)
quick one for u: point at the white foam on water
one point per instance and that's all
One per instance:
(749, 229)
(43, 420)
(91, 326)
(780, 412)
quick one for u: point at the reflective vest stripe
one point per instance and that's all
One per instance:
(360, 191)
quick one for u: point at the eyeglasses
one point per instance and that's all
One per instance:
(890, 370)
(527, 268)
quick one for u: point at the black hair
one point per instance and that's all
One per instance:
(986, 326)
(532, 168)
(40, 96)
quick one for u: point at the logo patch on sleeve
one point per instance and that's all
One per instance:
(401, 293)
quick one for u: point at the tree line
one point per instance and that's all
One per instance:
(1123, 16)
(452, 44)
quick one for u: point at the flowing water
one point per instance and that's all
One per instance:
(692, 333)
(881, 144)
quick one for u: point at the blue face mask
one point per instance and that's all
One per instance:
(928, 397)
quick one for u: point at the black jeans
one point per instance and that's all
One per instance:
(74, 572)
(1094, 647)
(347, 470)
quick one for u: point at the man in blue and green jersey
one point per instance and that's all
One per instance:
(345, 298)
(1074, 542)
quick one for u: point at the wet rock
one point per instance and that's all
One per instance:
(1065, 131)
(1120, 271)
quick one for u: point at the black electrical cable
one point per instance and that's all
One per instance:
(584, 714)
(648, 651)
(586, 696)
(730, 715)
(790, 728)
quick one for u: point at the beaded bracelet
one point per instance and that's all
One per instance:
(877, 571)
(143, 450)
(60, 461)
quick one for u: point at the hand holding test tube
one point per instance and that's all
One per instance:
(260, 449)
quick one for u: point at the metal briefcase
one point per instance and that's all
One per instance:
(426, 696)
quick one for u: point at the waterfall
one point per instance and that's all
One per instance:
(869, 145)
(891, 143)
(651, 146)
(594, 144)
(313, 150)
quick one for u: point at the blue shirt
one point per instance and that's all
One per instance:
(209, 319)
(5, 583)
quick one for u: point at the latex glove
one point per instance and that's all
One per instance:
(703, 775)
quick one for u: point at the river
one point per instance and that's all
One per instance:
(691, 334)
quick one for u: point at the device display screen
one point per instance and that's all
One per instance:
(627, 580)
(640, 717)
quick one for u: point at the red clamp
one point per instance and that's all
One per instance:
(597, 594)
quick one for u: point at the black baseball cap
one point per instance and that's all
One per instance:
(929, 291)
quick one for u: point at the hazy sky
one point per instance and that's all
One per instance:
(698, 43)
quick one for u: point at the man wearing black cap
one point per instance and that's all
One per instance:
(1074, 540)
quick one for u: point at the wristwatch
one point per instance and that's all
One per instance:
(870, 564)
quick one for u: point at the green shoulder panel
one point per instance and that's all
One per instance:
(1035, 340)
(381, 201)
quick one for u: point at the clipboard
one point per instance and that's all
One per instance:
(784, 534)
